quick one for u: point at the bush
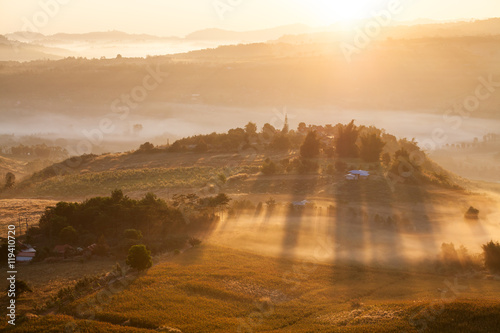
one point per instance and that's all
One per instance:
(472, 213)
(449, 254)
(132, 234)
(102, 248)
(271, 204)
(269, 167)
(194, 241)
(21, 287)
(139, 257)
(310, 146)
(491, 251)
(386, 159)
(239, 205)
(371, 147)
(68, 235)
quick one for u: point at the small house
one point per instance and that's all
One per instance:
(357, 174)
(26, 255)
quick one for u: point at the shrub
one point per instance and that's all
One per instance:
(10, 180)
(139, 257)
(472, 213)
(310, 146)
(146, 147)
(132, 234)
(371, 147)
(238, 205)
(269, 167)
(222, 178)
(491, 251)
(386, 159)
(21, 287)
(194, 241)
(68, 235)
(41, 254)
(102, 247)
(271, 204)
(449, 254)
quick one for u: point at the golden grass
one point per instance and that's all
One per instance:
(46, 279)
(12, 209)
(215, 289)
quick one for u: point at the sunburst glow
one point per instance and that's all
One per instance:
(342, 12)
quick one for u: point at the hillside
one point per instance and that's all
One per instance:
(306, 74)
(238, 158)
(218, 289)
(11, 50)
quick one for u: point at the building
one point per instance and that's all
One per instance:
(357, 175)
(26, 254)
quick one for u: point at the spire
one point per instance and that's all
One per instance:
(285, 127)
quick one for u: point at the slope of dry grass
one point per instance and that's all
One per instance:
(216, 289)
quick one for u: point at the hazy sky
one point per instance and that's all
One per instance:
(176, 17)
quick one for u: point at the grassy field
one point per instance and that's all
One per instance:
(217, 289)
(13, 209)
(102, 183)
(46, 279)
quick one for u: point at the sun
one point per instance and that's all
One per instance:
(345, 12)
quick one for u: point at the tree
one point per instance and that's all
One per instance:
(117, 195)
(269, 167)
(345, 143)
(386, 159)
(132, 234)
(10, 180)
(251, 128)
(271, 204)
(201, 147)
(371, 147)
(302, 128)
(102, 248)
(491, 252)
(222, 200)
(68, 235)
(146, 146)
(139, 257)
(280, 142)
(472, 213)
(402, 163)
(268, 131)
(310, 147)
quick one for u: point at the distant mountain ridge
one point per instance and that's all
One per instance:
(25, 46)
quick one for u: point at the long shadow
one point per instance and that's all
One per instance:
(364, 231)
(296, 214)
